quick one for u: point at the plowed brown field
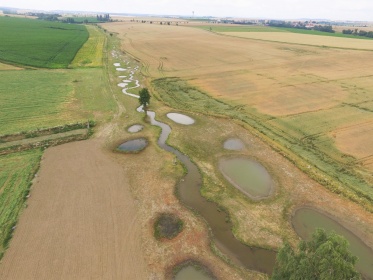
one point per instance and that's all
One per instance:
(80, 223)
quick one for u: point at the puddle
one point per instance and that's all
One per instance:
(121, 69)
(234, 144)
(135, 128)
(248, 176)
(122, 85)
(132, 146)
(191, 272)
(117, 64)
(306, 220)
(180, 118)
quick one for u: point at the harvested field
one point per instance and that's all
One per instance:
(296, 95)
(356, 141)
(304, 39)
(81, 221)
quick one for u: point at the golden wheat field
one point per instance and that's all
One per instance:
(305, 39)
(301, 93)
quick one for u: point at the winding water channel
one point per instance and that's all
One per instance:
(189, 193)
(188, 189)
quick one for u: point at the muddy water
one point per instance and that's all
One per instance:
(306, 220)
(233, 144)
(180, 118)
(189, 193)
(192, 273)
(133, 145)
(248, 176)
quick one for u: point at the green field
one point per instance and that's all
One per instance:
(16, 172)
(39, 43)
(32, 99)
(90, 55)
(257, 28)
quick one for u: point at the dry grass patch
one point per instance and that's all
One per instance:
(305, 39)
(356, 141)
(8, 67)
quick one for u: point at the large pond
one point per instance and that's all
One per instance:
(248, 176)
(306, 220)
(180, 118)
(132, 146)
(233, 144)
(190, 272)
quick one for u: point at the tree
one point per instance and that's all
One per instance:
(326, 256)
(144, 98)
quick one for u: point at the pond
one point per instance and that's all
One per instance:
(133, 146)
(180, 118)
(306, 220)
(248, 176)
(234, 144)
(191, 272)
(135, 128)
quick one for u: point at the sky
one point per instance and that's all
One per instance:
(358, 10)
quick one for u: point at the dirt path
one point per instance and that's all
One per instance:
(80, 222)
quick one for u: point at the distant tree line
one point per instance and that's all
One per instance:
(103, 18)
(301, 25)
(43, 16)
(358, 32)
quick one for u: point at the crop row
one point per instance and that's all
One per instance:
(40, 43)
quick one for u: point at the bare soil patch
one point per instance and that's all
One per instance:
(81, 220)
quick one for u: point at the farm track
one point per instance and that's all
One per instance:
(30, 141)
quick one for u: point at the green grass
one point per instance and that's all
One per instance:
(256, 28)
(32, 99)
(315, 32)
(90, 55)
(16, 172)
(337, 175)
(39, 43)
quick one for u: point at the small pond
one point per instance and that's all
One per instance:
(117, 64)
(121, 69)
(234, 144)
(180, 118)
(132, 146)
(306, 220)
(135, 128)
(248, 176)
(122, 85)
(191, 272)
